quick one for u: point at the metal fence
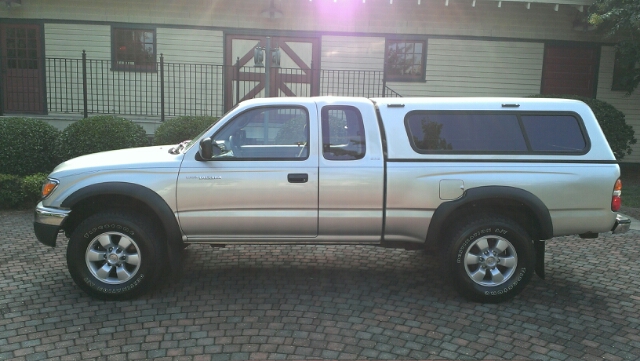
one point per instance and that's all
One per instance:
(93, 87)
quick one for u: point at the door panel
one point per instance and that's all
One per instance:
(264, 184)
(22, 68)
(351, 177)
(254, 201)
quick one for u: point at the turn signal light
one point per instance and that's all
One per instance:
(616, 201)
(48, 187)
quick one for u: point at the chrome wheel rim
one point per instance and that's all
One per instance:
(490, 261)
(113, 258)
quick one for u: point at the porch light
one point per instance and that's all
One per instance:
(258, 56)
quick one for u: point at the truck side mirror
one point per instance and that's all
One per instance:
(208, 149)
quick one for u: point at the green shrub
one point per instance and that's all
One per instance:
(11, 194)
(619, 134)
(32, 187)
(28, 146)
(98, 134)
(176, 130)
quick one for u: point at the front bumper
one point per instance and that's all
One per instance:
(622, 224)
(48, 222)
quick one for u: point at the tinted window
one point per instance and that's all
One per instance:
(460, 132)
(554, 133)
(343, 135)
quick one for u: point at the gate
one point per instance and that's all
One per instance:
(291, 72)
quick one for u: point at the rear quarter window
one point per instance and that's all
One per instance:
(554, 133)
(495, 133)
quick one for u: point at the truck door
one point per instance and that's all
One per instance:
(263, 185)
(351, 174)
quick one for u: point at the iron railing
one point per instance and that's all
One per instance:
(92, 87)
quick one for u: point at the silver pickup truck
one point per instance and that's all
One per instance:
(481, 182)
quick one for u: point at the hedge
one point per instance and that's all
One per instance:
(176, 130)
(28, 146)
(99, 133)
(17, 192)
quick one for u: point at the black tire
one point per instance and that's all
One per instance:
(490, 258)
(114, 255)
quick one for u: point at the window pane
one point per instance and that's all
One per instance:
(266, 133)
(404, 60)
(466, 132)
(134, 49)
(554, 133)
(343, 136)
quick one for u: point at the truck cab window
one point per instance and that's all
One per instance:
(269, 133)
(343, 135)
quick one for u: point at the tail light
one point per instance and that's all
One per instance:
(616, 201)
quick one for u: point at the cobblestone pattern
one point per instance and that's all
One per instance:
(322, 302)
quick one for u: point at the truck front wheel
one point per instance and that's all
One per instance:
(114, 255)
(491, 258)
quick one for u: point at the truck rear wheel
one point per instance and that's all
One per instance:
(491, 259)
(114, 255)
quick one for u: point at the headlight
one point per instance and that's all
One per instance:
(48, 187)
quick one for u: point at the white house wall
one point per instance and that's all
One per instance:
(190, 45)
(69, 40)
(352, 52)
(478, 68)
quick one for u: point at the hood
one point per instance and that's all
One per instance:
(131, 158)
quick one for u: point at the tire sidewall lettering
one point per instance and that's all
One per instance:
(504, 290)
(114, 290)
(485, 231)
(108, 227)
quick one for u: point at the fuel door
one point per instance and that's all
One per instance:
(451, 189)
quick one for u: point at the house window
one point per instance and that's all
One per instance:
(134, 49)
(405, 60)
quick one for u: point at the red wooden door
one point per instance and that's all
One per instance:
(22, 68)
(570, 70)
(294, 76)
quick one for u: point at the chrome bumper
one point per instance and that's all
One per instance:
(622, 224)
(48, 222)
(50, 216)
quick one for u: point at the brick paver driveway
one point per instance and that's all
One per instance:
(329, 302)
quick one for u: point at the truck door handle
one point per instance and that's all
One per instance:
(298, 178)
